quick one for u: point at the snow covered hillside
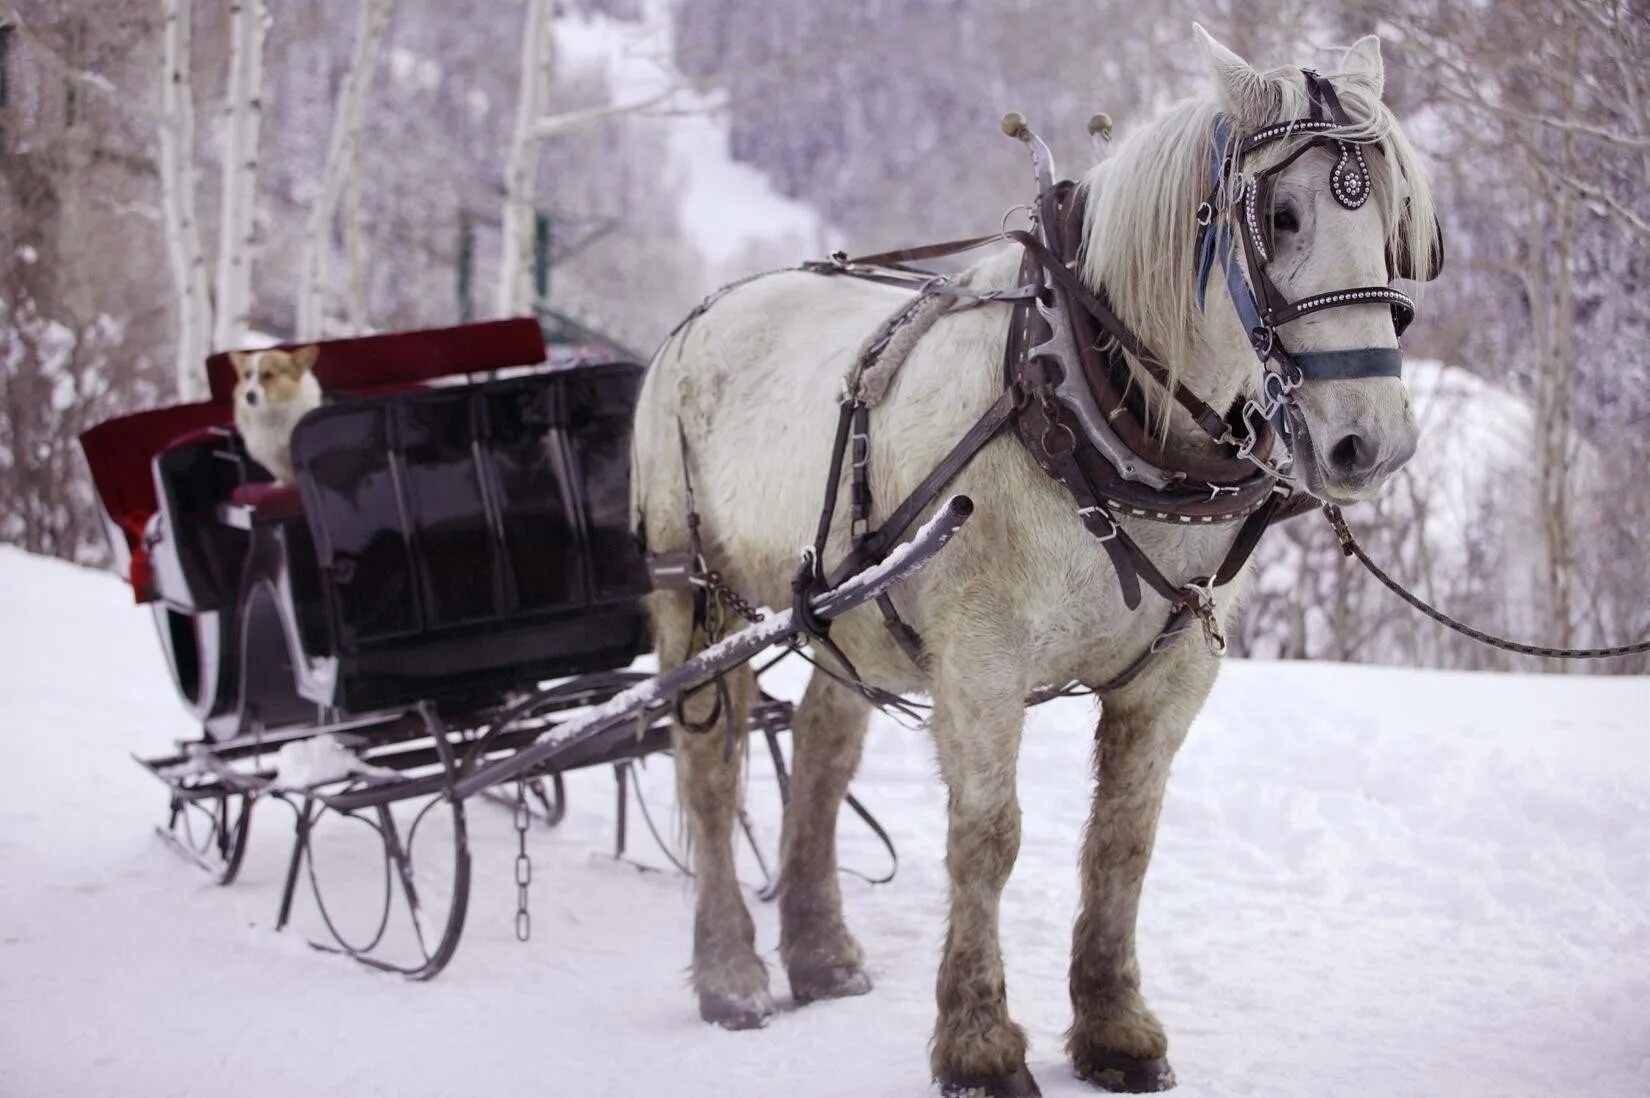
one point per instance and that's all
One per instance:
(1368, 882)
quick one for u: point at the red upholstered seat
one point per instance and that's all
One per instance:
(269, 501)
(119, 452)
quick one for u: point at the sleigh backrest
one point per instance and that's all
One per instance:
(475, 534)
(400, 359)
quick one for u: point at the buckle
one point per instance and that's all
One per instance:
(1111, 523)
(1200, 599)
(1205, 214)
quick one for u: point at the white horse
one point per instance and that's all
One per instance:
(1024, 596)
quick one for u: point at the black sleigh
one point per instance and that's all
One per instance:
(451, 580)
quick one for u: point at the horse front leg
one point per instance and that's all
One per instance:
(729, 977)
(1115, 1041)
(977, 1049)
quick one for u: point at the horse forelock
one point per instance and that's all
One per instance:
(1139, 247)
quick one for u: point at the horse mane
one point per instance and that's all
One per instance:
(1141, 226)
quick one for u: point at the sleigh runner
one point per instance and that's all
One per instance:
(445, 604)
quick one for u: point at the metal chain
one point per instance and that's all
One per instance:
(1350, 546)
(524, 865)
(731, 598)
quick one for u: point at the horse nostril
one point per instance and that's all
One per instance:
(1352, 456)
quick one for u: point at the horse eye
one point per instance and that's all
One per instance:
(1285, 221)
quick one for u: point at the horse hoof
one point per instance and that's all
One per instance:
(736, 1011)
(1122, 1074)
(1014, 1084)
(829, 982)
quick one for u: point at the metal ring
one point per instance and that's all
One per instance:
(1050, 432)
(1002, 225)
(1263, 347)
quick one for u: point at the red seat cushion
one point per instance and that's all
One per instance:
(269, 501)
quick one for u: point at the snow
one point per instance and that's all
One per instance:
(1368, 882)
(316, 761)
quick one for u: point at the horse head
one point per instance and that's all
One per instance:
(1289, 200)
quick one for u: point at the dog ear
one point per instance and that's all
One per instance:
(238, 359)
(304, 358)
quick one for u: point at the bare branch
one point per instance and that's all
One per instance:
(561, 123)
(1561, 125)
(1632, 221)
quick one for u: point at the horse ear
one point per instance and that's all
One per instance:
(1248, 96)
(1363, 64)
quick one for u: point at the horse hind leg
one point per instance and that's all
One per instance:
(821, 958)
(729, 977)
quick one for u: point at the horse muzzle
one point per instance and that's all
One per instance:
(1351, 436)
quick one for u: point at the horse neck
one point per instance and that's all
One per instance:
(1217, 369)
(1216, 363)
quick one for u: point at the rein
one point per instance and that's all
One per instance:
(1350, 547)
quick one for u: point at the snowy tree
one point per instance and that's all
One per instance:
(178, 197)
(341, 170)
(238, 209)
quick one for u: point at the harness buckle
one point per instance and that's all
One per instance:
(1085, 513)
(1205, 214)
(1200, 598)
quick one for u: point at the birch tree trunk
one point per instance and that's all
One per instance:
(515, 270)
(372, 17)
(355, 250)
(238, 212)
(177, 180)
(1556, 401)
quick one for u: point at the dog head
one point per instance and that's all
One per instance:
(266, 378)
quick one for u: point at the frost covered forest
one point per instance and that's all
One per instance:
(178, 175)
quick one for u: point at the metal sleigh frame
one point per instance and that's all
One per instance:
(415, 756)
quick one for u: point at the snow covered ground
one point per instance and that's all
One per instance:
(1368, 882)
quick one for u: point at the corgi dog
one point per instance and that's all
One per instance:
(273, 391)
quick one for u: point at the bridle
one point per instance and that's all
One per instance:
(1237, 215)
